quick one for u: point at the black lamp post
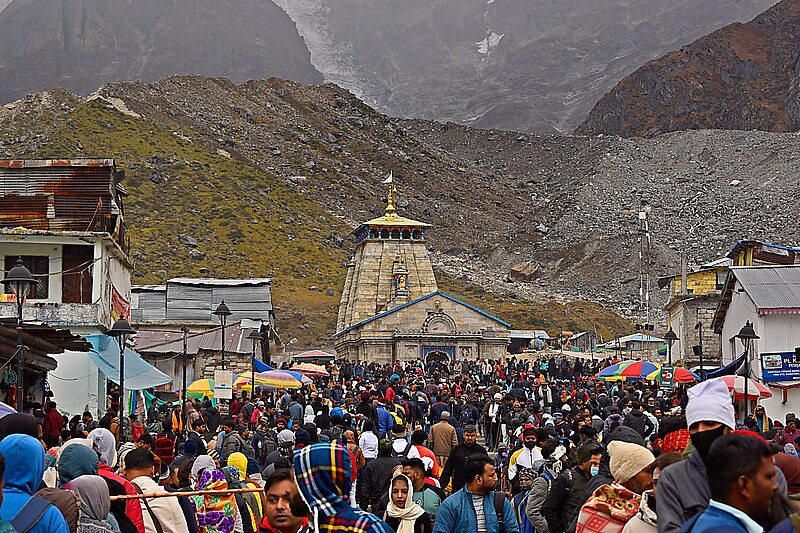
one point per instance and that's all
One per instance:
(222, 313)
(19, 280)
(256, 338)
(121, 330)
(747, 335)
(699, 350)
(185, 331)
(670, 337)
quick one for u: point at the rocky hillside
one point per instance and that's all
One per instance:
(742, 77)
(527, 65)
(80, 44)
(269, 177)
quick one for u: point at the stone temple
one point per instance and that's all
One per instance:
(392, 309)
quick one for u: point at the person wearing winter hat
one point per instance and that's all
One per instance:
(631, 466)
(418, 439)
(683, 487)
(560, 507)
(529, 456)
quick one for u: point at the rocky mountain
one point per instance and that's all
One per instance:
(741, 77)
(269, 177)
(80, 44)
(527, 65)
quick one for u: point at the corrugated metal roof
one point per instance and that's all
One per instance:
(529, 334)
(771, 287)
(216, 282)
(62, 195)
(163, 342)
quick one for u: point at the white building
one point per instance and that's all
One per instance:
(769, 297)
(63, 218)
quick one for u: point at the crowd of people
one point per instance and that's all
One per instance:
(517, 446)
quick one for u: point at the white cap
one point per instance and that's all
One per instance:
(710, 401)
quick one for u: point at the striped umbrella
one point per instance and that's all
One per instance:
(639, 370)
(201, 387)
(310, 369)
(680, 375)
(612, 373)
(271, 378)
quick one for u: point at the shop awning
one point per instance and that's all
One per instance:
(139, 374)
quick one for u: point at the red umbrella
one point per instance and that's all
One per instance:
(755, 390)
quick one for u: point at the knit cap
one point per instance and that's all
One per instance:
(710, 401)
(627, 460)
(585, 453)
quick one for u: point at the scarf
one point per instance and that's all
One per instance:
(494, 408)
(217, 514)
(94, 495)
(202, 462)
(410, 512)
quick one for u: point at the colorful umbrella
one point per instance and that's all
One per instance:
(201, 387)
(611, 373)
(271, 378)
(680, 375)
(310, 369)
(755, 389)
(638, 370)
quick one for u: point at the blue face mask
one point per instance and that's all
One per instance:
(594, 470)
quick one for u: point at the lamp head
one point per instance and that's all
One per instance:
(19, 280)
(670, 337)
(747, 332)
(222, 312)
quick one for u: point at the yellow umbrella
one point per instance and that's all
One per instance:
(202, 387)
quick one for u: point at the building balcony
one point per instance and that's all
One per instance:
(55, 314)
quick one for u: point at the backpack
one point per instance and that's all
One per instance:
(467, 416)
(401, 455)
(397, 418)
(499, 501)
(30, 514)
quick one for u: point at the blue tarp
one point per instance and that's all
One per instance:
(727, 370)
(139, 374)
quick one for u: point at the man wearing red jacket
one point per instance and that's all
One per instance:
(53, 425)
(127, 512)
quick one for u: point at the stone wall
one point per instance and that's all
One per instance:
(208, 361)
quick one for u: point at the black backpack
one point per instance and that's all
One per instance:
(402, 455)
(467, 416)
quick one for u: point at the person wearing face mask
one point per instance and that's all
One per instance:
(683, 487)
(528, 456)
(555, 457)
(562, 503)
(520, 501)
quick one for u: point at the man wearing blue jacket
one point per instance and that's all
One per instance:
(24, 457)
(477, 507)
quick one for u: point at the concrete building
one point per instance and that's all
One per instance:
(769, 297)
(391, 307)
(64, 218)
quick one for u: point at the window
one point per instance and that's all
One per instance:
(39, 265)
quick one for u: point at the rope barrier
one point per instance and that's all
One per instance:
(185, 493)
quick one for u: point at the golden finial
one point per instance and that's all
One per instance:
(392, 195)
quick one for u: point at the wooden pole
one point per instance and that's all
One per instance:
(185, 493)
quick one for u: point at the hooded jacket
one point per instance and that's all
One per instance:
(24, 457)
(323, 473)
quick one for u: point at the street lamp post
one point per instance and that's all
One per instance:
(19, 280)
(121, 330)
(256, 338)
(747, 335)
(670, 337)
(699, 351)
(185, 331)
(222, 313)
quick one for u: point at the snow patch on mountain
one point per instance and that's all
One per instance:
(489, 43)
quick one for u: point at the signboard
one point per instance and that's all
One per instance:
(223, 384)
(783, 366)
(667, 378)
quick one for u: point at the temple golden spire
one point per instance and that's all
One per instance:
(391, 197)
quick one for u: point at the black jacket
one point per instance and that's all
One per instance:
(456, 464)
(637, 421)
(561, 505)
(373, 481)
(422, 525)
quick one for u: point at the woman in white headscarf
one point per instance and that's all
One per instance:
(95, 504)
(402, 513)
